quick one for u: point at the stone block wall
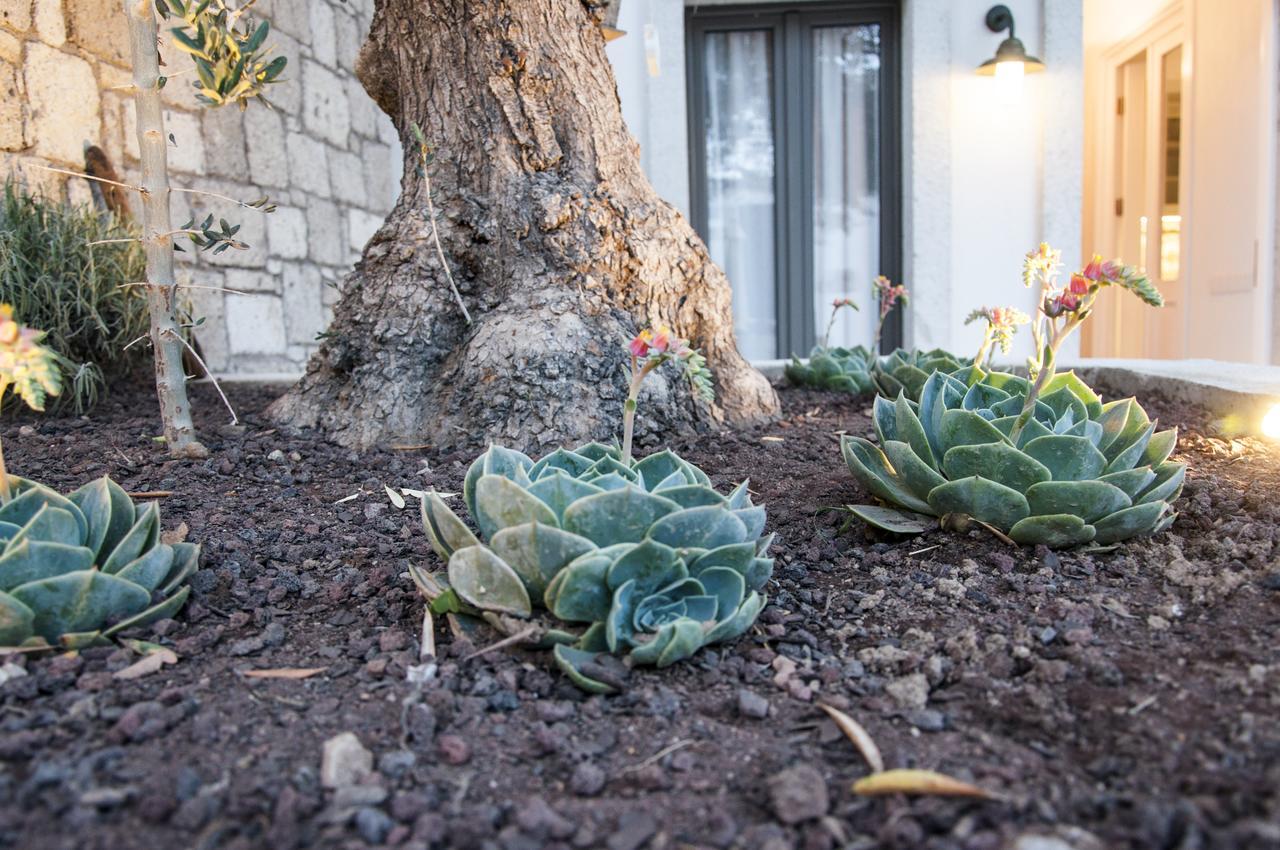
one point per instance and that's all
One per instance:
(325, 154)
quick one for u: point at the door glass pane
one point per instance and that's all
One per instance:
(1170, 160)
(846, 177)
(739, 175)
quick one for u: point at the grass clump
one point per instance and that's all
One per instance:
(57, 281)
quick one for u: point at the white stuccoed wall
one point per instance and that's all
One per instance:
(985, 179)
(326, 154)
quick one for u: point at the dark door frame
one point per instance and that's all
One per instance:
(792, 101)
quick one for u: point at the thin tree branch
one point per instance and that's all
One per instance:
(143, 191)
(235, 420)
(435, 236)
(216, 195)
(90, 177)
(194, 286)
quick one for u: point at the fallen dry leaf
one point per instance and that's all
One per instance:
(859, 736)
(773, 439)
(285, 673)
(175, 535)
(904, 781)
(396, 498)
(147, 664)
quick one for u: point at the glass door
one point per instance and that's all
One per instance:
(1143, 167)
(845, 176)
(741, 205)
(795, 164)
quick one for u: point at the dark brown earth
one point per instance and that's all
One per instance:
(1120, 700)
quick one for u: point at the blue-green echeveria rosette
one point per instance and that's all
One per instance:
(75, 570)
(836, 368)
(645, 557)
(1081, 471)
(904, 371)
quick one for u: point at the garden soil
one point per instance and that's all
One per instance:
(1122, 699)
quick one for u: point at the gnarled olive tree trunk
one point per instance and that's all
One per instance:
(558, 243)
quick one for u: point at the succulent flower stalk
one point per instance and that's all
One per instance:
(649, 349)
(28, 368)
(1063, 309)
(836, 306)
(887, 295)
(1002, 324)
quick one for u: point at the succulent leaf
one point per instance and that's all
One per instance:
(870, 466)
(139, 538)
(966, 428)
(108, 511)
(999, 462)
(501, 502)
(618, 516)
(895, 521)
(34, 560)
(1067, 458)
(1056, 531)
(445, 530)
(706, 527)
(149, 568)
(1159, 447)
(16, 620)
(1168, 483)
(692, 496)
(537, 552)
(571, 660)
(1089, 500)
(1123, 524)
(981, 499)
(79, 601)
(1131, 455)
(484, 580)
(911, 432)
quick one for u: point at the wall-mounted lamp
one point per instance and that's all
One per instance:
(1011, 60)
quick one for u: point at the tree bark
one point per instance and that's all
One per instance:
(558, 243)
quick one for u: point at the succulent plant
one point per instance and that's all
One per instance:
(842, 369)
(78, 569)
(1080, 471)
(903, 371)
(646, 555)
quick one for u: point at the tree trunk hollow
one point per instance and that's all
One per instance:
(558, 243)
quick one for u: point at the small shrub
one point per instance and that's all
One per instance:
(57, 282)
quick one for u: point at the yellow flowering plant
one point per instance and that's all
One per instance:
(27, 368)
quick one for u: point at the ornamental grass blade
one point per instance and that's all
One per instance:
(922, 782)
(861, 739)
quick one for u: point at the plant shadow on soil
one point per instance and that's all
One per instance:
(1127, 699)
